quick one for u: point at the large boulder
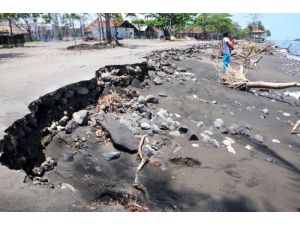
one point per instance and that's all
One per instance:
(121, 136)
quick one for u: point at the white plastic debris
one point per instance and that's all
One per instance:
(228, 142)
(248, 147)
(275, 141)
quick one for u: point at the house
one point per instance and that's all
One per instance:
(149, 32)
(258, 35)
(120, 30)
(197, 33)
(18, 34)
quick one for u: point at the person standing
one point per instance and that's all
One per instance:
(227, 47)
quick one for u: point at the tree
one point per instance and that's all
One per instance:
(108, 17)
(70, 19)
(28, 19)
(100, 26)
(167, 21)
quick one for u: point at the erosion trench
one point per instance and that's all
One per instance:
(105, 141)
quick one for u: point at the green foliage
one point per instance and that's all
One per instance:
(215, 22)
(166, 21)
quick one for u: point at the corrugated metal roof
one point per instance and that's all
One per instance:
(258, 31)
(5, 29)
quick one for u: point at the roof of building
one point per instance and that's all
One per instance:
(258, 31)
(195, 31)
(113, 23)
(5, 29)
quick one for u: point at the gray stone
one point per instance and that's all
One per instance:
(183, 129)
(156, 145)
(81, 117)
(69, 94)
(151, 73)
(111, 155)
(175, 133)
(161, 74)
(145, 126)
(215, 143)
(151, 99)
(71, 126)
(157, 81)
(218, 123)
(199, 124)
(84, 152)
(238, 129)
(141, 100)
(148, 151)
(120, 134)
(68, 157)
(63, 101)
(162, 94)
(192, 136)
(82, 91)
(63, 121)
(130, 70)
(258, 138)
(265, 111)
(106, 76)
(205, 138)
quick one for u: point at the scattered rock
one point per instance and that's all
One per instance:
(71, 126)
(183, 129)
(175, 133)
(258, 138)
(69, 94)
(218, 123)
(275, 141)
(120, 134)
(195, 145)
(81, 117)
(145, 126)
(151, 99)
(68, 157)
(111, 155)
(215, 143)
(161, 74)
(82, 91)
(265, 111)
(248, 147)
(192, 136)
(286, 114)
(199, 124)
(151, 73)
(271, 160)
(162, 95)
(63, 121)
(228, 142)
(157, 81)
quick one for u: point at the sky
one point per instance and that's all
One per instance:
(283, 26)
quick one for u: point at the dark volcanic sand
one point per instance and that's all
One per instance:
(244, 181)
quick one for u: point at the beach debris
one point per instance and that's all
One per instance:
(248, 147)
(69, 187)
(258, 138)
(236, 79)
(296, 128)
(276, 141)
(228, 142)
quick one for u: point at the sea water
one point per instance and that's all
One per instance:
(294, 47)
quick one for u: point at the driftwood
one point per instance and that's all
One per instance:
(247, 53)
(296, 128)
(236, 79)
